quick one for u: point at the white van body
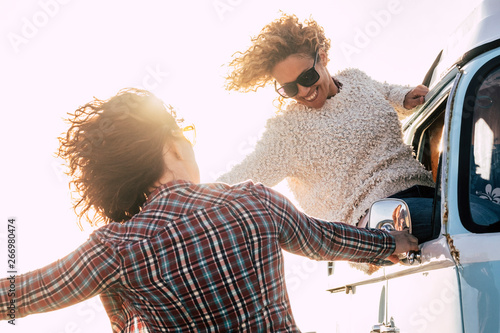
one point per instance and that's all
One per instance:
(455, 287)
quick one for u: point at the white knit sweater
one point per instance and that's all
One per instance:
(342, 157)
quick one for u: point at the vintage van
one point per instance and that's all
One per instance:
(453, 283)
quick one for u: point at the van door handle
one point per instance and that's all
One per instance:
(414, 256)
(386, 328)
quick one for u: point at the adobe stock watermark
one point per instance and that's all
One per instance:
(363, 36)
(222, 7)
(298, 273)
(435, 308)
(84, 319)
(31, 25)
(244, 148)
(153, 78)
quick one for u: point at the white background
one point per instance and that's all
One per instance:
(57, 55)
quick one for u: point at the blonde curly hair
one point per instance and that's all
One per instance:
(276, 41)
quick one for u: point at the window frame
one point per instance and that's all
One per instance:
(464, 157)
(436, 113)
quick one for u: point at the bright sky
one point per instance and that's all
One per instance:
(58, 54)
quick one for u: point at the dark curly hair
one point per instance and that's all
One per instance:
(114, 151)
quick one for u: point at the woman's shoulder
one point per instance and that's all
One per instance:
(353, 74)
(288, 117)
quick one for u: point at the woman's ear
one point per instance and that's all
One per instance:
(175, 150)
(175, 145)
(177, 133)
(323, 57)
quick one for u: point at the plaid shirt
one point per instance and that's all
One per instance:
(197, 258)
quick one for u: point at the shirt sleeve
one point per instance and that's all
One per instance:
(83, 274)
(269, 163)
(322, 240)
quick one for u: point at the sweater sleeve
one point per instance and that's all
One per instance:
(322, 240)
(269, 163)
(83, 274)
(394, 94)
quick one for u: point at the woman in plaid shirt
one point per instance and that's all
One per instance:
(174, 255)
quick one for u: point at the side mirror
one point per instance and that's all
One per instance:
(393, 214)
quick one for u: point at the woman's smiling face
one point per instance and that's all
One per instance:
(289, 69)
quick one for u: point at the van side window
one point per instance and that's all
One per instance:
(427, 143)
(485, 151)
(480, 143)
(430, 141)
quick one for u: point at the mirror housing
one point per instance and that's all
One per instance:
(390, 214)
(393, 214)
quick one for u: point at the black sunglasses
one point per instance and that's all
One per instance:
(306, 79)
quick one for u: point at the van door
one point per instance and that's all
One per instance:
(424, 296)
(358, 299)
(417, 298)
(475, 206)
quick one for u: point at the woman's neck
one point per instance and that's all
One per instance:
(335, 87)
